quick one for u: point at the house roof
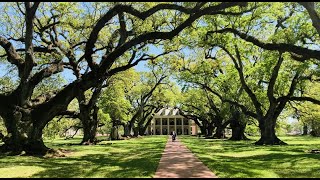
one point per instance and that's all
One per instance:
(168, 112)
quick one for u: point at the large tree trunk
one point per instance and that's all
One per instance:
(210, 129)
(140, 127)
(268, 135)
(142, 130)
(89, 132)
(238, 129)
(89, 119)
(13, 141)
(23, 135)
(219, 132)
(126, 128)
(135, 131)
(1, 136)
(305, 129)
(35, 143)
(114, 135)
(203, 130)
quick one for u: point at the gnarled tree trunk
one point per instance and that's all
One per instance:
(203, 130)
(219, 132)
(268, 135)
(90, 125)
(23, 133)
(126, 128)
(114, 135)
(135, 131)
(238, 129)
(14, 141)
(220, 127)
(35, 144)
(142, 131)
(210, 129)
(305, 129)
(89, 115)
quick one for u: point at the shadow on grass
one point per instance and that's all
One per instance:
(243, 159)
(132, 158)
(100, 165)
(241, 146)
(268, 165)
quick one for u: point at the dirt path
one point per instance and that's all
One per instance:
(178, 161)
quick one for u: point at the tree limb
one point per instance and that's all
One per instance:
(304, 52)
(313, 14)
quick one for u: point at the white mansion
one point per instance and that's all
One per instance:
(167, 120)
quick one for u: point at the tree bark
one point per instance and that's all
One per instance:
(220, 127)
(135, 131)
(114, 135)
(305, 129)
(310, 6)
(238, 129)
(209, 130)
(23, 134)
(13, 141)
(89, 125)
(89, 115)
(142, 130)
(268, 135)
(219, 132)
(1, 136)
(89, 131)
(203, 130)
(35, 144)
(127, 129)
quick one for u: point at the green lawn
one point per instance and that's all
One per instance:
(137, 157)
(229, 159)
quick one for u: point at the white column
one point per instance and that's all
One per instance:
(182, 126)
(175, 125)
(168, 132)
(154, 126)
(160, 126)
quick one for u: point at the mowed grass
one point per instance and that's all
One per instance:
(138, 157)
(230, 159)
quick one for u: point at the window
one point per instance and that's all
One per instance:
(164, 131)
(185, 121)
(171, 121)
(178, 121)
(164, 121)
(157, 121)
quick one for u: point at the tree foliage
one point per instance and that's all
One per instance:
(256, 57)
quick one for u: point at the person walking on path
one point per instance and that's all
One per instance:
(174, 135)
